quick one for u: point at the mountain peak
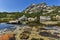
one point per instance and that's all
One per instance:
(33, 4)
(38, 7)
(43, 3)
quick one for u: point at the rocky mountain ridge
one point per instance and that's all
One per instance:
(41, 7)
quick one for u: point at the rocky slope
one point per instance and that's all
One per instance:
(41, 7)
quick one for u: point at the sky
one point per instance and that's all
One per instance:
(20, 5)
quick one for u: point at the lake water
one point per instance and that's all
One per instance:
(10, 26)
(4, 25)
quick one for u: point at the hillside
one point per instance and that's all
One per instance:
(42, 7)
(34, 10)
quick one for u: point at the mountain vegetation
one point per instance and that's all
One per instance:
(34, 10)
